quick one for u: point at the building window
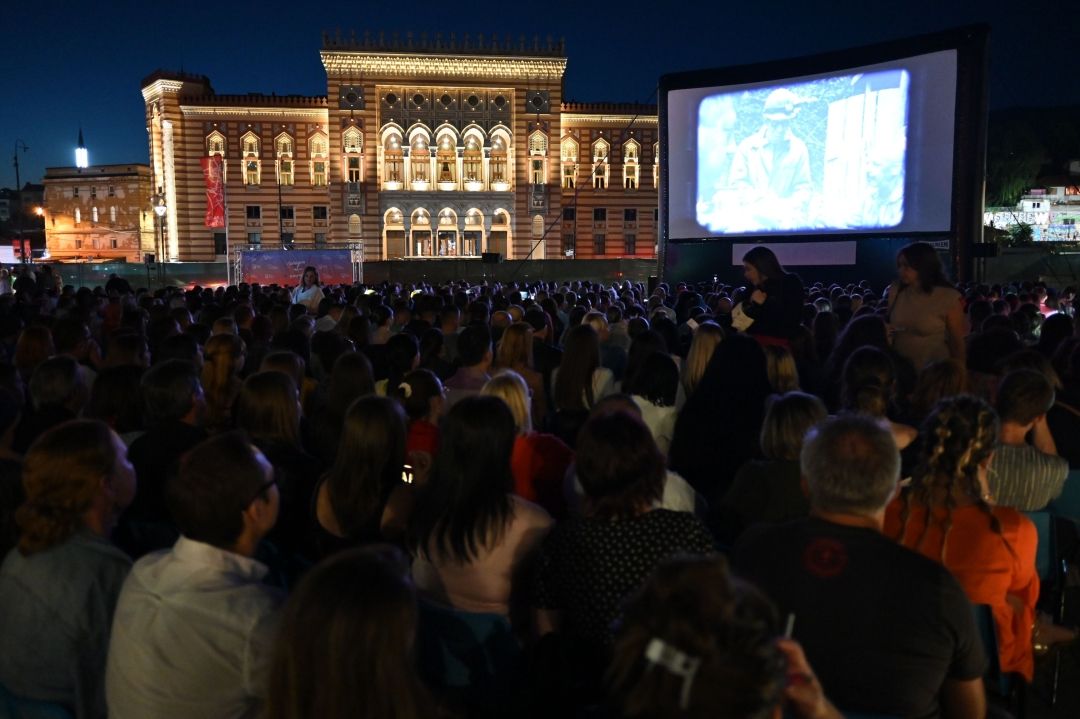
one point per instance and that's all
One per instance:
(93, 214)
(631, 244)
(472, 161)
(656, 216)
(320, 212)
(317, 146)
(498, 160)
(93, 194)
(287, 239)
(254, 212)
(320, 239)
(538, 226)
(252, 167)
(393, 162)
(569, 214)
(287, 212)
(598, 244)
(630, 215)
(112, 191)
(254, 238)
(112, 214)
(354, 169)
(115, 243)
(74, 191)
(569, 156)
(538, 148)
(599, 214)
(600, 164)
(285, 171)
(78, 215)
(355, 226)
(354, 202)
(352, 140)
(215, 144)
(569, 242)
(631, 158)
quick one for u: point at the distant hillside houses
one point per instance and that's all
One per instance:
(1053, 213)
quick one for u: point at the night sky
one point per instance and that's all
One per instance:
(66, 64)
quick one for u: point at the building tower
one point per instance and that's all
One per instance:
(82, 157)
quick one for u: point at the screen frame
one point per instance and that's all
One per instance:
(969, 136)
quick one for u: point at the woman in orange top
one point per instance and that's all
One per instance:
(946, 515)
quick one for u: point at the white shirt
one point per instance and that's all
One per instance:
(678, 495)
(659, 420)
(310, 297)
(603, 383)
(192, 636)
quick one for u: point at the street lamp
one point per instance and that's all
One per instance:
(18, 190)
(157, 203)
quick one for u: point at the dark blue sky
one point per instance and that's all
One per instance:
(68, 63)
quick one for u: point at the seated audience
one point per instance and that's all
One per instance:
(59, 587)
(58, 393)
(474, 361)
(539, 461)
(654, 388)
(836, 574)
(194, 625)
(345, 647)
(693, 642)
(472, 536)
(423, 398)
(223, 360)
(1025, 476)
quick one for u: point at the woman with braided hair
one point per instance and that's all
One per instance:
(947, 514)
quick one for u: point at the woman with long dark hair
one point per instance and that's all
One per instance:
(345, 647)
(471, 534)
(309, 292)
(362, 498)
(926, 316)
(776, 299)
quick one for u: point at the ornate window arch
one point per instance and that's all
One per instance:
(568, 151)
(355, 226)
(216, 144)
(352, 143)
(249, 146)
(393, 166)
(283, 151)
(446, 166)
(631, 153)
(601, 168)
(472, 159)
(538, 148)
(318, 151)
(500, 158)
(419, 157)
(538, 226)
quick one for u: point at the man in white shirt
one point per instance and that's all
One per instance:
(194, 625)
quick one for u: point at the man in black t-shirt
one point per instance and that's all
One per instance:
(887, 630)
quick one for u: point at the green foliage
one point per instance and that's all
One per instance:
(1021, 235)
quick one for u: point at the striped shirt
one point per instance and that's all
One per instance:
(1024, 478)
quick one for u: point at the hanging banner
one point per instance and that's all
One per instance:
(215, 190)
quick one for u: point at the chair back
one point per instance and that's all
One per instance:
(1046, 551)
(1010, 686)
(1068, 504)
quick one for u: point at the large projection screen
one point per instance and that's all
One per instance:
(873, 145)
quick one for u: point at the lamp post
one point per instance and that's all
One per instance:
(157, 202)
(18, 190)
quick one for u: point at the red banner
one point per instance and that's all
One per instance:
(215, 190)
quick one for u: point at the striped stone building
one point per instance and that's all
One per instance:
(420, 149)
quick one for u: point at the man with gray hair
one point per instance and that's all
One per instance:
(888, 631)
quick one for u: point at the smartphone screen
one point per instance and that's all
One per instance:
(406, 474)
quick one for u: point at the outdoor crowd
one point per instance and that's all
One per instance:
(529, 499)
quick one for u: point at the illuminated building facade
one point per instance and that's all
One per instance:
(420, 149)
(99, 212)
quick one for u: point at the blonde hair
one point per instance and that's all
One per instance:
(706, 337)
(515, 347)
(62, 475)
(780, 365)
(511, 388)
(596, 320)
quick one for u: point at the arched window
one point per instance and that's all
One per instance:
(600, 166)
(446, 161)
(538, 147)
(78, 215)
(473, 163)
(500, 150)
(631, 164)
(569, 155)
(393, 161)
(283, 148)
(354, 225)
(394, 217)
(352, 143)
(93, 214)
(317, 150)
(419, 161)
(112, 214)
(538, 226)
(249, 144)
(215, 145)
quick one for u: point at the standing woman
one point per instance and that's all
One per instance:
(309, 292)
(926, 317)
(776, 302)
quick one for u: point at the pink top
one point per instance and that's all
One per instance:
(484, 584)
